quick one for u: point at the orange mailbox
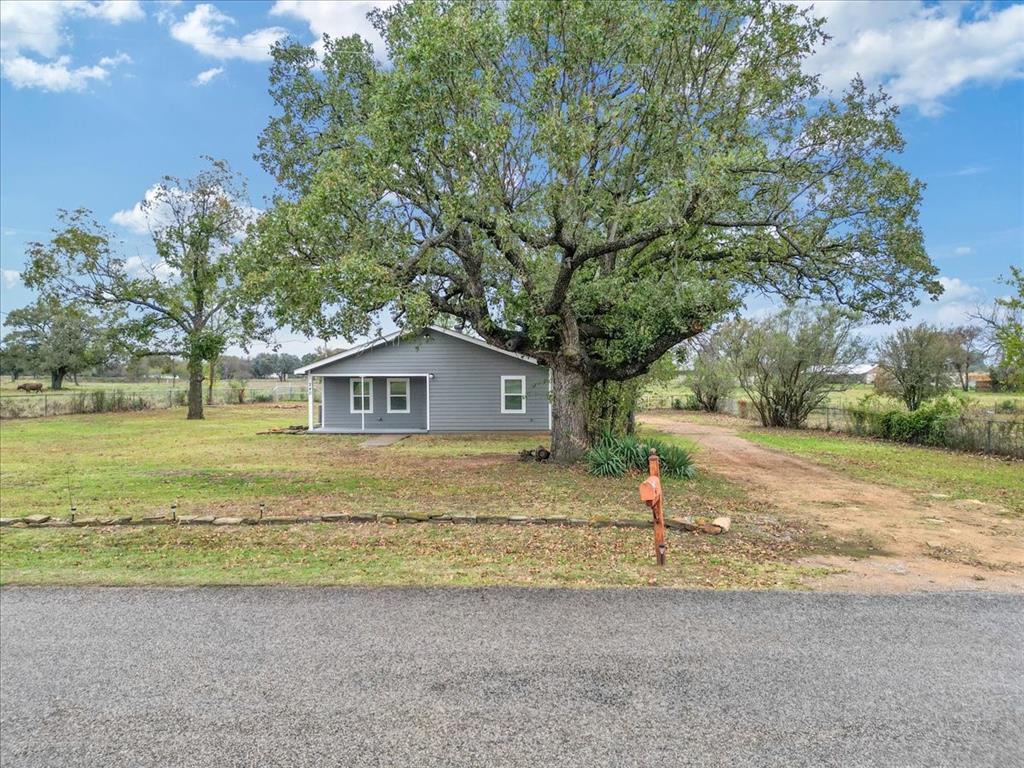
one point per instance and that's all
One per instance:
(650, 494)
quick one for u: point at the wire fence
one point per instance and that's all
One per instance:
(45, 404)
(980, 430)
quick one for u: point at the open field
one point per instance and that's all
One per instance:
(923, 470)
(662, 395)
(87, 384)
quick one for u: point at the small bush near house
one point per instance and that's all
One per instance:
(613, 456)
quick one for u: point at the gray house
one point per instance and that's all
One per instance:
(435, 381)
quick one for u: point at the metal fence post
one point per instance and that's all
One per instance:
(988, 430)
(44, 406)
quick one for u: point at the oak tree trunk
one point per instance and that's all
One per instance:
(57, 378)
(195, 388)
(569, 390)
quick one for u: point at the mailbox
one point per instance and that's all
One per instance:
(650, 494)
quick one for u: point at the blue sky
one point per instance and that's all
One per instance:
(98, 100)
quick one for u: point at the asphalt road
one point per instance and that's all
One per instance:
(395, 677)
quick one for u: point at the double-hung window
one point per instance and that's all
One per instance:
(398, 395)
(362, 395)
(513, 394)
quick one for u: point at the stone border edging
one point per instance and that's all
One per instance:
(719, 525)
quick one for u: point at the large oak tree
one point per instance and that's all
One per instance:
(590, 183)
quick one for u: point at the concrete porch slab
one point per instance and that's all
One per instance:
(383, 441)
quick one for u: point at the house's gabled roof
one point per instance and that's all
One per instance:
(380, 341)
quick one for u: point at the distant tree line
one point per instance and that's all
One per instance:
(789, 362)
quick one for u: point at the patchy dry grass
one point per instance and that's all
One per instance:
(378, 554)
(990, 479)
(142, 462)
(139, 463)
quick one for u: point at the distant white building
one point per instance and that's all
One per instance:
(856, 373)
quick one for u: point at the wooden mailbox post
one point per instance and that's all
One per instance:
(651, 495)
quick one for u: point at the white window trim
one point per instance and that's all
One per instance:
(352, 394)
(408, 395)
(521, 379)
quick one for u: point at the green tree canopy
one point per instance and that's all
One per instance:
(183, 303)
(587, 183)
(787, 363)
(916, 363)
(60, 339)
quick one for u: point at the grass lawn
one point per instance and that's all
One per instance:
(138, 463)
(377, 554)
(925, 470)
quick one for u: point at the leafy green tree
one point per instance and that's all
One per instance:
(613, 405)
(1004, 326)
(787, 362)
(286, 365)
(60, 339)
(589, 183)
(15, 358)
(711, 378)
(965, 351)
(916, 363)
(185, 304)
(265, 364)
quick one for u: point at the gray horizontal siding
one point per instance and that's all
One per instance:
(338, 414)
(465, 393)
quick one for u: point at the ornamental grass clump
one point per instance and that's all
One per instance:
(615, 456)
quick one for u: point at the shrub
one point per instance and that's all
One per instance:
(613, 456)
(929, 424)
(1006, 406)
(604, 461)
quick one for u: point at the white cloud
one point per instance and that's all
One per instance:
(971, 170)
(954, 289)
(919, 52)
(57, 75)
(148, 212)
(963, 250)
(33, 33)
(336, 19)
(11, 277)
(151, 213)
(203, 29)
(136, 266)
(207, 75)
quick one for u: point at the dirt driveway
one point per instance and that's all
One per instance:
(928, 542)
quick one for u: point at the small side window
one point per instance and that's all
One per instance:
(513, 394)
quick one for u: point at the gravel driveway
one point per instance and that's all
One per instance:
(395, 677)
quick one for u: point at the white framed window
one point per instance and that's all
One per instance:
(398, 395)
(513, 394)
(362, 395)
